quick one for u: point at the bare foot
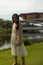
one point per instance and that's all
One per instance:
(15, 64)
(23, 64)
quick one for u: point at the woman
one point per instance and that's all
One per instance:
(17, 46)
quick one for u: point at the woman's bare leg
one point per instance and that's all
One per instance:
(15, 57)
(23, 60)
(15, 60)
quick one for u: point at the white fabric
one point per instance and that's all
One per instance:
(17, 50)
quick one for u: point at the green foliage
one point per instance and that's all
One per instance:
(26, 41)
(5, 31)
(5, 24)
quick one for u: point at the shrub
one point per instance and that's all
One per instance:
(26, 41)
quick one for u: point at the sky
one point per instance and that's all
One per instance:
(9, 7)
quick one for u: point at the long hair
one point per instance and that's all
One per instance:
(17, 22)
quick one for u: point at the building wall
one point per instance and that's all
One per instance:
(31, 15)
(41, 15)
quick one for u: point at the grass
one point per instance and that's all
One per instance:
(34, 57)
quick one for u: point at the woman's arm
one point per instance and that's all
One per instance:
(20, 35)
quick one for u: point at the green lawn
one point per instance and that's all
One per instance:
(34, 57)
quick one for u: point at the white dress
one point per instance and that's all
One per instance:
(17, 50)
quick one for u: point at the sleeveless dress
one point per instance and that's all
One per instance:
(17, 50)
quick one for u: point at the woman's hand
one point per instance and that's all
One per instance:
(18, 44)
(19, 36)
(18, 41)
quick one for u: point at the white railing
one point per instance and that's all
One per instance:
(36, 35)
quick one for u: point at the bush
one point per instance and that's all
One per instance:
(5, 31)
(26, 41)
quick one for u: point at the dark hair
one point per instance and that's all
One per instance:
(17, 22)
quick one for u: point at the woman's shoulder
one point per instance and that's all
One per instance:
(14, 25)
